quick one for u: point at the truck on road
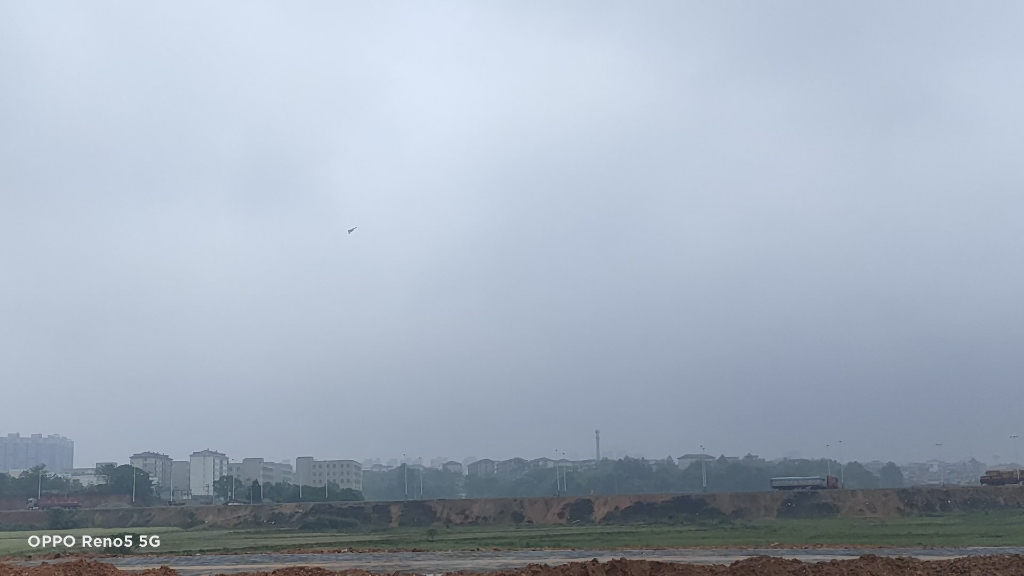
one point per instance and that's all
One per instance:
(1001, 477)
(805, 483)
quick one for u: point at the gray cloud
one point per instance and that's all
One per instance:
(757, 228)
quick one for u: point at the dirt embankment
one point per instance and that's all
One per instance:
(549, 511)
(759, 566)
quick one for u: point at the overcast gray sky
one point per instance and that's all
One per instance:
(761, 227)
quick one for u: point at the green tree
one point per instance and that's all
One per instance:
(890, 476)
(119, 480)
(857, 477)
(231, 487)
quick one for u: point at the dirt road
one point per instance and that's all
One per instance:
(441, 562)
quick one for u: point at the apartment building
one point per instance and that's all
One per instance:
(19, 452)
(158, 466)
(484, 467)
(250, 469)
(205, 468)
(513, 467)
(180, 480)
(344, 473)
(452, 466)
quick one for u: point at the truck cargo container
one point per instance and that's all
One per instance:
(805, 483)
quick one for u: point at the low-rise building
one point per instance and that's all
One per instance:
(84, 476)
(343, 473)
(452, 466)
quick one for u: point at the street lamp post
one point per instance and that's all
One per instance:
(558, 471)
(39, 490)
(405, 471)
(134, 476)
(942, 471)
(703, 471)
(1015, 464)
(828, 461)
(842, 478)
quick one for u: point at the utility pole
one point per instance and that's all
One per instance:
(39, 491)
(558, 470)
(421, 484)
(134, 476)
(298, 472)
(703, 471)
(1015, 464)
(828, 461)
(842, 478)
(565, 479)
(942, 471)
(405, 470)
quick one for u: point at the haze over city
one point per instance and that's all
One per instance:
(757, 228)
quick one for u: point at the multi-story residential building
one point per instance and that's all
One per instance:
(264, 472)
(158, 466)
(344, 473)
(19, 452)
(483, 467)
(180, 480)
(513, 467)
(538, 463)
(452, 466)
(205, 468)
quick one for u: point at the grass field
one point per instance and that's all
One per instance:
(993, 529)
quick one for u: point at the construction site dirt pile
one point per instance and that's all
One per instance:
(77, 568)
(869, 565)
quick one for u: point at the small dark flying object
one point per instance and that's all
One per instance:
(351, 229)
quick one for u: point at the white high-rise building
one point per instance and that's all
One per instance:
(19, 452)
(205, 468)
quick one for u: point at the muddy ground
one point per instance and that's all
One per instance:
(548, 511)
(759, 566)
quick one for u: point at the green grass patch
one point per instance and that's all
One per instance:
(974, 529)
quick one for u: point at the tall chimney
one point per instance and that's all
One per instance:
(597, 438)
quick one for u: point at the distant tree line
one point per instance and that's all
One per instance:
(625, 476)
(114, 480)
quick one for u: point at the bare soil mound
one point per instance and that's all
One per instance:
(870, 565)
